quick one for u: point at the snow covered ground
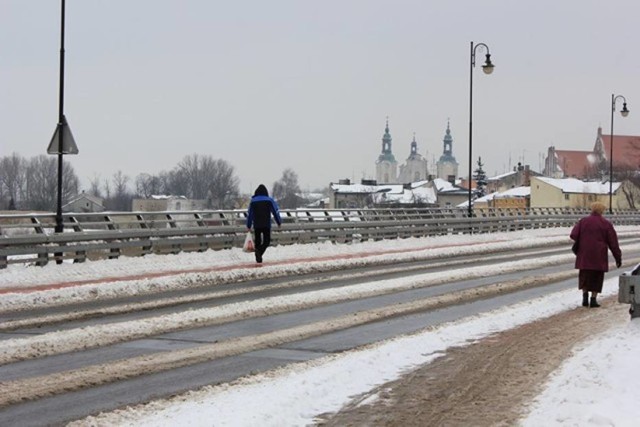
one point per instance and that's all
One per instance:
(594, 387)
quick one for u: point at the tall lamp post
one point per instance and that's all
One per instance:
(624, 112)
(62, 141)
(488, 69)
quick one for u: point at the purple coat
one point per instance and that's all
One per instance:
(595, 235)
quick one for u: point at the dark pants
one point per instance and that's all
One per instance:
(262, 240)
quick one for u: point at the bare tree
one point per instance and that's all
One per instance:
(121, 199)
(107, 193)
(148, 185)
(206, 178)
(42, 183)
(178, 183)
(191, 170)
(224, 185)
(94, 186)
(12, 180)
(630, 179)
(286, 191)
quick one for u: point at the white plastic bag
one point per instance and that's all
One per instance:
(248, 243)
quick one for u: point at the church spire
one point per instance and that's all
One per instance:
(386, 144)
(448, 142)
(386, 139)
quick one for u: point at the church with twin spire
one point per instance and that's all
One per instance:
(415, 167)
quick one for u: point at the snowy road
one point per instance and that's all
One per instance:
(94, 347)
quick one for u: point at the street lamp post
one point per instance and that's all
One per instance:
(488, 69)
(59, 223)
(624, 112)
(62, 141)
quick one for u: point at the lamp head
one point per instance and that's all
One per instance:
(624, 111)
(488, 65)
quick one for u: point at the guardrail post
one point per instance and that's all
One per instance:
(38, 227)
(114, 252)
(142, 222)
(43, 259)
(80, 256)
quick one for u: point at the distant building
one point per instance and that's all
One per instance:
(594, 164)
(513, 198)
(415, 194)
(447, 166)
(519, 177)
(449, 194)
(167, 203)
(415, 168)
(84, 202)
(574, 193)
(370, 194)
(386, 165)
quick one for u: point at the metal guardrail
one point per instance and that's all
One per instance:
(30, 237)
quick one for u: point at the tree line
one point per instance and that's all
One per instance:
(31, 184)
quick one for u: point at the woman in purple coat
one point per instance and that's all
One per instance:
(595, 235)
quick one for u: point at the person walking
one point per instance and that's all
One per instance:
(595, 236)
(261, 208)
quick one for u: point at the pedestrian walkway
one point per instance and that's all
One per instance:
(239, 266)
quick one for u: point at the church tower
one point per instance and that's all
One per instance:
(415, 169)
(447, 165)
(386, 165)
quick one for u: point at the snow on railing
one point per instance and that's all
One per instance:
(30, 237)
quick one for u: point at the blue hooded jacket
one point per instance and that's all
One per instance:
(261, 208)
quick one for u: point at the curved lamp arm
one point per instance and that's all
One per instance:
(624, 111)
(488, 65)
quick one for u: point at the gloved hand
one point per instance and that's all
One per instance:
(618, 263)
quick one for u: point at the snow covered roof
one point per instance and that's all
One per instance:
(445, 186)
(419, 183)
(94, 199)
(486, 198)
(572, 185)
(501, 176)
(166, 197)
(442, 184)
(415, 195)
(515, 192)
(391, 193)
(510, 193)
(360, 188)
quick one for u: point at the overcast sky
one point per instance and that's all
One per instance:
(268, 85)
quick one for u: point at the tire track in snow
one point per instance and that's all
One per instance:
(38, 387)
(59, 342)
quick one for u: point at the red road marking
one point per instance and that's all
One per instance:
(62, 285)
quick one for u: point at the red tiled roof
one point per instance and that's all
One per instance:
(626, 149)
(574, 163)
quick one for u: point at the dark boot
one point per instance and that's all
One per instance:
(585, 299)
(593, 302)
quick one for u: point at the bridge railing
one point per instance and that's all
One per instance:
(30, 237)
